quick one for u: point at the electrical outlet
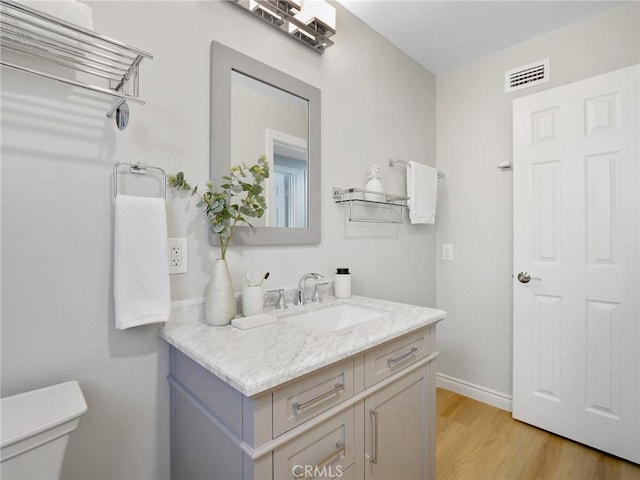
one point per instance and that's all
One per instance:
(178, 255)
(447, 251)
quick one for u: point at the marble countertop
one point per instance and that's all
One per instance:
(259, 359)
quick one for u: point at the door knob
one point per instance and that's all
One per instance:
(524, 277)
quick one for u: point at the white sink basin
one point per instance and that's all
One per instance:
(335, 317)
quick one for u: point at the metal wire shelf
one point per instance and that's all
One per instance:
(362, 203)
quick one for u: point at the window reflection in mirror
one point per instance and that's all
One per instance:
(288, 191)
(270, 121)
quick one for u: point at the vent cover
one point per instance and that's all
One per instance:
(527, 76)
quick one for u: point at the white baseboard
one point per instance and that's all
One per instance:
(477, 392)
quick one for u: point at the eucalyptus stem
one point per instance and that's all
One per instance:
(224, 216)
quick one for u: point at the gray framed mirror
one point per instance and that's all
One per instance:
(255, 110)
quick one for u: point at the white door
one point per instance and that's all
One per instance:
(576, 339)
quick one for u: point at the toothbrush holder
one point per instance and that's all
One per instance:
(252, 300)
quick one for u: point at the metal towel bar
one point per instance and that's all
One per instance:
(404, 163)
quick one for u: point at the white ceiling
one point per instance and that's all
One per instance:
(443, 35)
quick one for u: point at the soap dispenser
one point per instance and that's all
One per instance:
(374, 184)
(342, 283)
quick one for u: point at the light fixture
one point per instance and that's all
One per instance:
(266, 13)
(319, 16)
(310, 21)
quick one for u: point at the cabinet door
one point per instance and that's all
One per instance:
(399, 429)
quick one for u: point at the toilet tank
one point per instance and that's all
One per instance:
(35, 429)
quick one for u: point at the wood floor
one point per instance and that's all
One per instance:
(475, 441)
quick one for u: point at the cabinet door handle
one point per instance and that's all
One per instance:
(325, 461)
(393, 361)
(301, 407)
(373, 458)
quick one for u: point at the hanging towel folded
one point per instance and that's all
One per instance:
(141, 270)
(422, 190)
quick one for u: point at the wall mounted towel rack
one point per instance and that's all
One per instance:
(403, 163)
(101, 64)
(138, 168)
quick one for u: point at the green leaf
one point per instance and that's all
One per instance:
(217, 207)
(218, 227)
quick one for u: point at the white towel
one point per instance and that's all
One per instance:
(422, 190)
(141, 269)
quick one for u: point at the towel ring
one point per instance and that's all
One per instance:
(138, 168)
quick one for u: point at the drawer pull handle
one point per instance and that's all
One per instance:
(340, 448)
(393, 361)
(301, 407)
(373, 458)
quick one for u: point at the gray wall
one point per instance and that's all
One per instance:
(474, 135)
(58, 150)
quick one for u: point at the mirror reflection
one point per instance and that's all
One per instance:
(270, 121)
(259, 110)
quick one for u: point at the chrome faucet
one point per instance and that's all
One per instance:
(300, 299)
(282, 302)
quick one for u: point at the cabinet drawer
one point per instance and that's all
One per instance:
(304, 399)
(323, 452)
(392, 357)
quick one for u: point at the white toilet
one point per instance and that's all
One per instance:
(35, 427)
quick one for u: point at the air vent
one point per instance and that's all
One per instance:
(527, 76)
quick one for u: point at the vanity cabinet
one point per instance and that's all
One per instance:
(369, 416)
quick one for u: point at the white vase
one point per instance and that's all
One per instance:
(219, 299)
